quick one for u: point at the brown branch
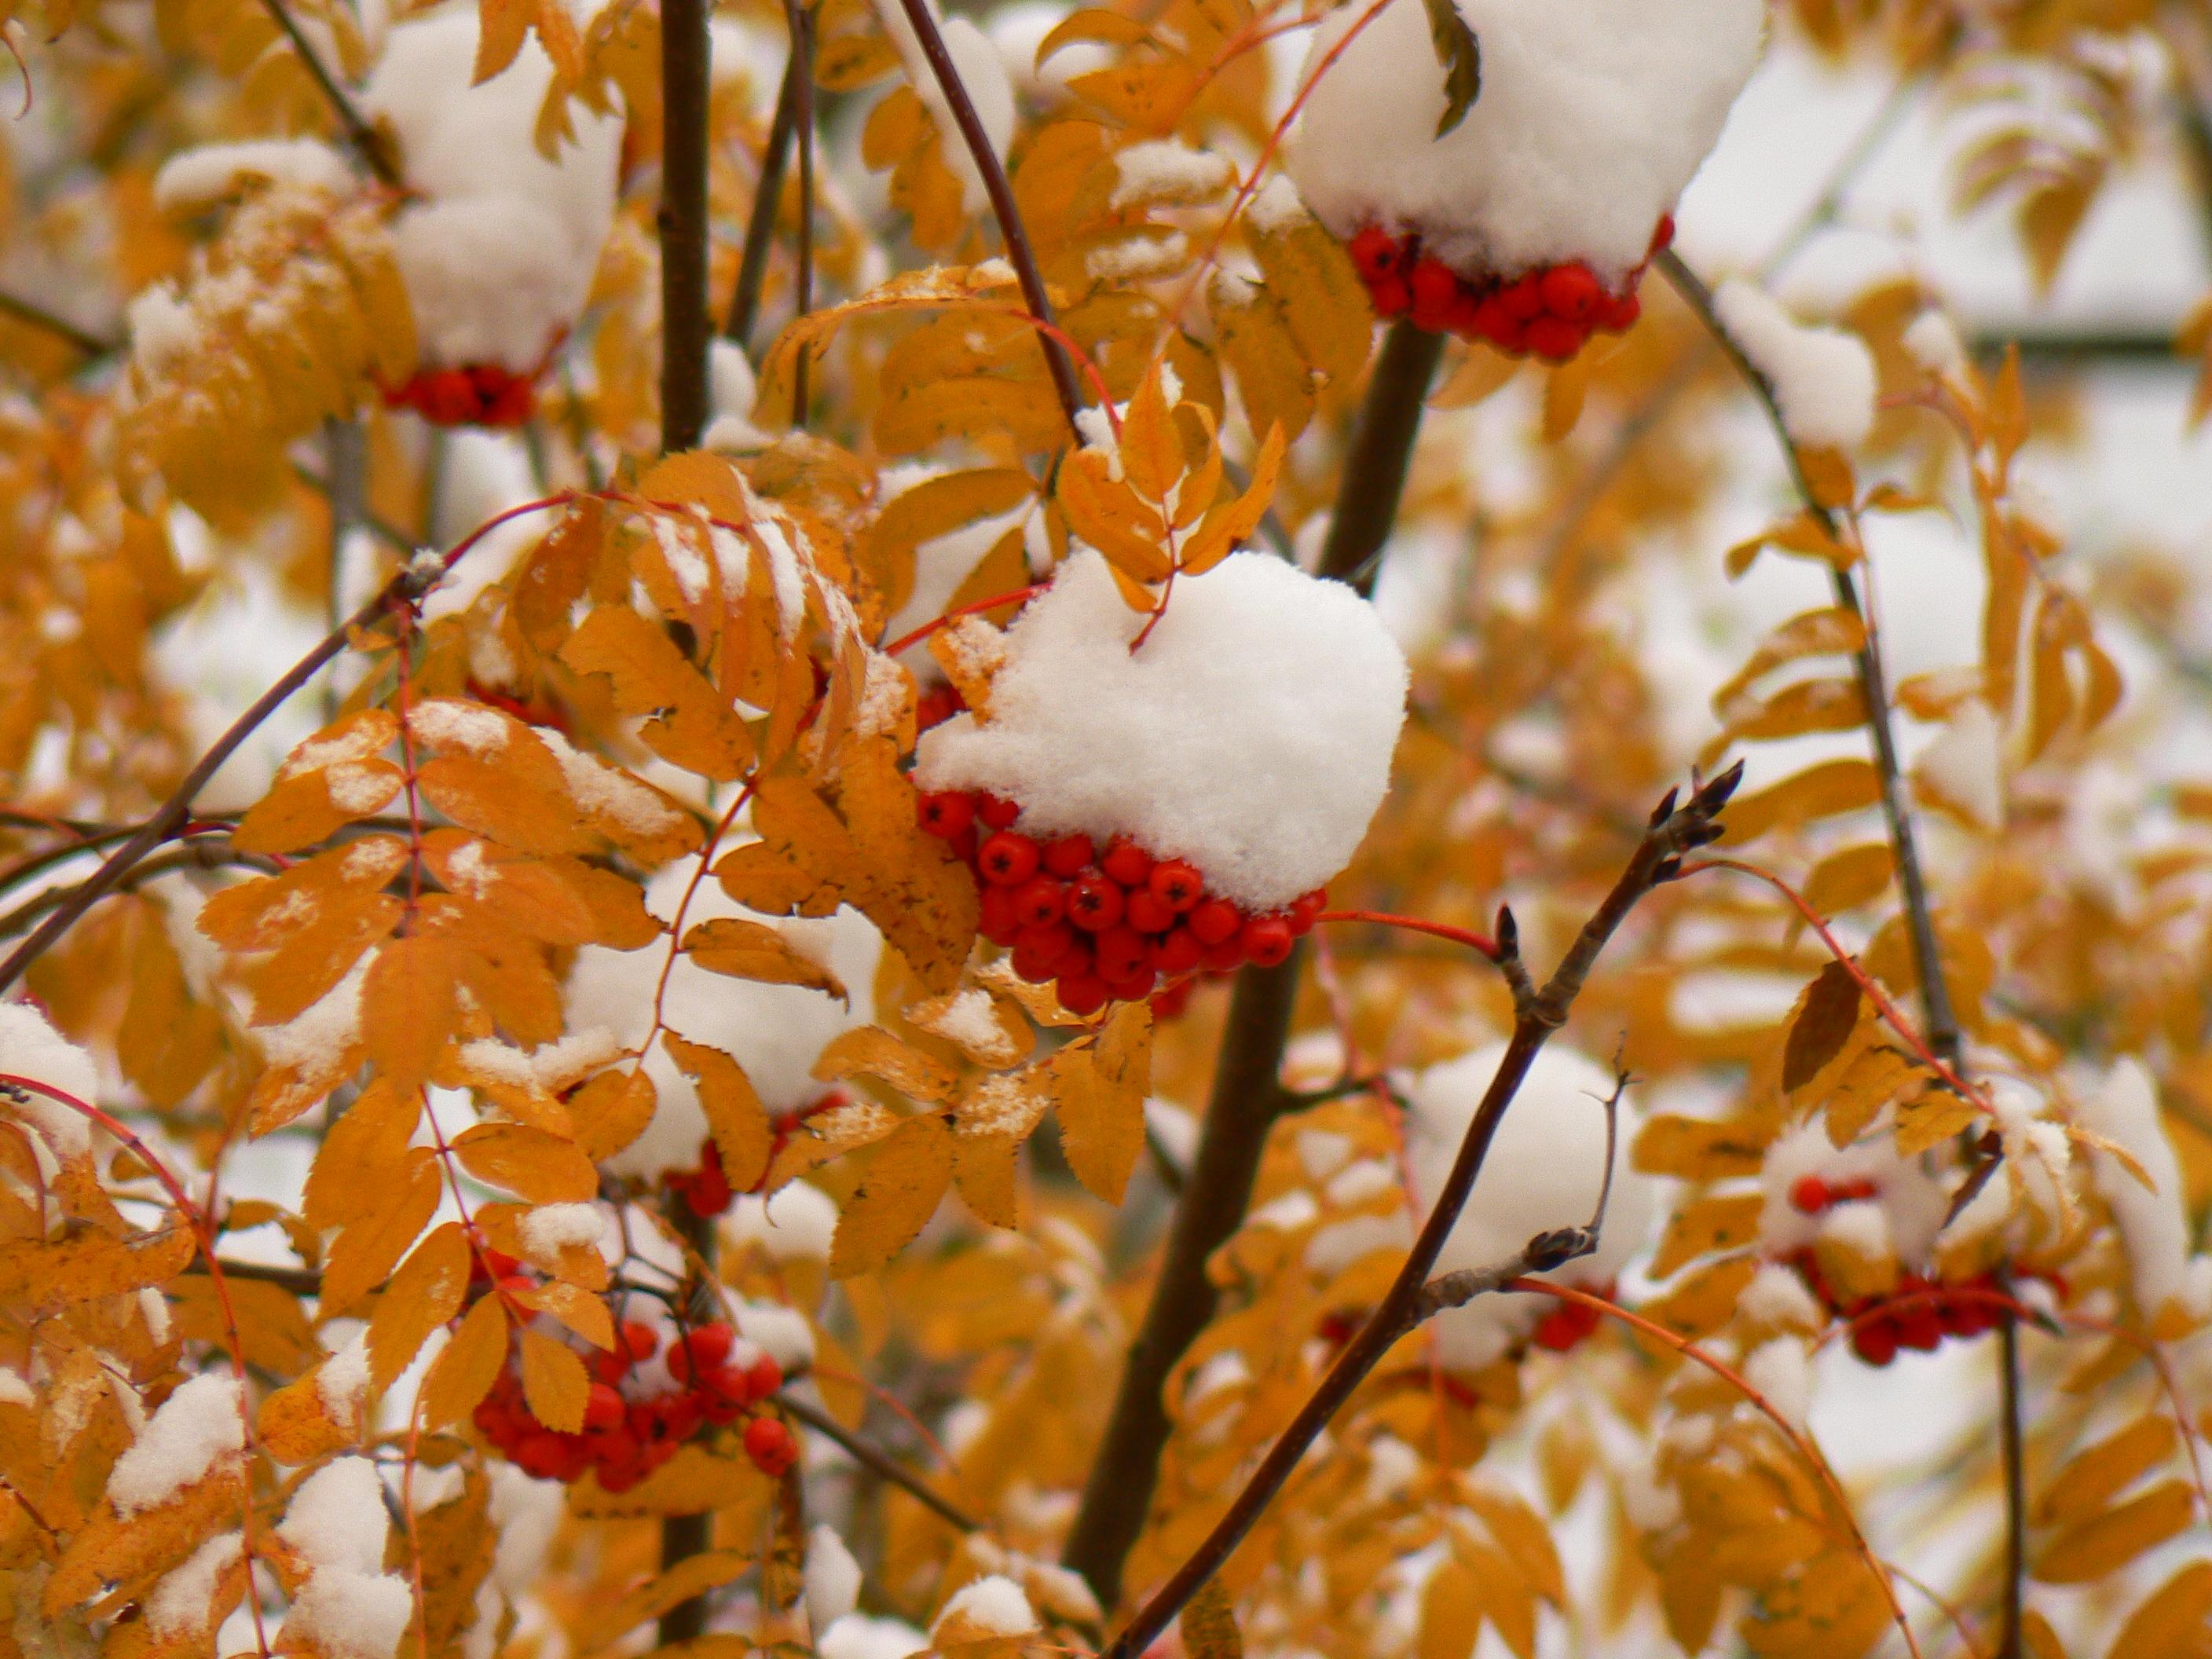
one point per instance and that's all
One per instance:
(874, 1457)
(1672, 831)
(802, 53)
(1246, 1096)
(383, 529)
(1002, 193)
(768, 195)
(361, 136)
(29, 310)
(213, 854)
(685, 328)
(683, 1536)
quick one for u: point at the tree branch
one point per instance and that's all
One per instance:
(682, 220)
(872, 1456)
(361, 136)
(1001, 194)
(802, 52)
(1246, 1097)
(29, 310)
(1672, 832)
(768, 197)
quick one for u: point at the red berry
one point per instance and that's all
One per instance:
(710, 1192)
(1127, 863)
(1622, 314)
(1875, 1341)
(1040, 902)
(1225, 957)
(1435, 291)
(1554, 339)
(1177, 951)
(1070, 855)
(610, 1368)
(999, 921)
(1007, 859)
(603, 1407)
(1146, 913)
(1392, 294)
(723, 1394)
(1166, 1003)
(1490, 321)
(1266, 941)
(709, 1344)
(997, 813)
(1040, 952)
(1216, 922)
(945, 814)
(1572, 292)
(1306, 909)
(1662, 236)
(1920, 1326)
(762, 1378)
(1564, 1326)
(1810, 1194)
(638, 1340)
(1094, 902)
(933, 708)
(1374, 252)
(771, 1446)
(1177, 884)
(1119, 952)
(1133, 986)
(1523, 301)
(1083, 994)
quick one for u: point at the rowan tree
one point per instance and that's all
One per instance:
(845, 830)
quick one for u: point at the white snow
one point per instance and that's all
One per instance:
(982, 71)
(31, 1048)
(14, 1390)
(775, 1032)
(857, 1636)
(2154, 1225)
(1592, 119)
(994, 1606)
(1861, 1226)
(314, 1040)
(551, 1066)
(350, 1607)
(198, 1425)
(780, 1333)
(342, 1382)
(453, 724)
(1964, 766)
(1546, 1165)
(1910, 1202)
(1778, 1369)
(184, 1599)
(833, 1578)
(1777, 1297)
(1216, 742)
(499, 250)
(1823, 377)
(795, 1223)
(195, 179)
(607, 790)
(730, 381)
(1162, 172)
(1934, 343)
(525, 1513)
(552, 1228)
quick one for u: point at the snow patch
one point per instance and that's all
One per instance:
(1823, 377)
(195, 179)
(198, 1426)
(994, 1605)
(2153, 1224)
(833, 1578)
(31, 1048)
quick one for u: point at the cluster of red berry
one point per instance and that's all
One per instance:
(482, 394)
(625, 1439)
(1917, 1314)
(1550, 312)
(1105, 926)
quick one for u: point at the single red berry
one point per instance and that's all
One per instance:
(1119, 951)
(1662, 236)
(1374, 252)
(517, 1284)
(1920, 1326)
(1435, 289)
(1083, 994)
(1522, 299)
(1177, 884)
(1177, 951)
(638, 1340)
(1166, 1003)
(1007, 859)
(610, 1367)
(603, 1407)
(1146, 913)
(945, 814)
(1041, 952)
(1874, 1341)
(1571, 291)
(771, 1446)
(1306, 908)
(1094, 902)
(999, 922)
(1069, 855)
(723, 1397)
(710, 1192)
(680, 1416)
(1554, 339)
(1133, 986)
(1127, 863)
(709, 1344)
(1566, 1325)
(1040, 902)
(1227, 957)
(996, 813)
(1266, 941)
(1489, 321)
(1392, 294)
(1216, 922)
(936, 705)
(1810, 1194)
(762, 1378)
(1622, 313)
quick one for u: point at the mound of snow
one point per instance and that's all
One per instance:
(2154, 1225)
(32, 1050)
(1592, 118)
(499, 246)
(1902, 1217)
(982, 71)
(1251, 735)
(1546, 1166)
(776, 1032)
(1823, 377)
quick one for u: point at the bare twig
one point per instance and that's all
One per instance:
(872, 1456)
(685, 328)
(215, 853)
(361, 136)
(768, 195)
(802, 54)
(1246, 1096)
(29, 310)
(1674, 831)
(1001, 194)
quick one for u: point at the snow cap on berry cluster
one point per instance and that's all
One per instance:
(1544, 1170)
(1251, 734)
(1593, 117)
(775, 1032)
(499, 248)
(1911, 1202)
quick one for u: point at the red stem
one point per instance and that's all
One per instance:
(1481, 943)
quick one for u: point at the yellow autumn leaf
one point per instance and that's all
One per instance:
(907, 1176)
(554, 1382)
(466, 1367)
(422, 1295)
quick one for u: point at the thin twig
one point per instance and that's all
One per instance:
(213, 854)
(361, 136)
(383, 529)
(801, 22)
(29, 310)
(1001, 194)
(1672, 832)
(768, 195)
(872, 1456)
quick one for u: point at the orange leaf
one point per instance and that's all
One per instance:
(466, 1367)
(554, 1382)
